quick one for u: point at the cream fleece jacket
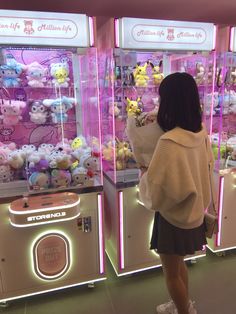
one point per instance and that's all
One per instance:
(177, 182)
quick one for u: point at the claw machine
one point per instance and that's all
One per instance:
(224, 142)
(143, 53)
(51, 189)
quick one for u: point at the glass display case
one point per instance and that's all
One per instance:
(49, 131)
(223, 140)
(130, 73)
(51, 190)
(125, 93)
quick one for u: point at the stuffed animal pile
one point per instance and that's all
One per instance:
(71, 162)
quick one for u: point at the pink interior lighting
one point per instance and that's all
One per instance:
(91, 31)
(220, 210)
(100, 230)
(117, 33)
(121, 230)
(231, 43)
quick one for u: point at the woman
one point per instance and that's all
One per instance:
(176, 185)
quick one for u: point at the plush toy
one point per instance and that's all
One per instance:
(140, 75)
(208, 103)
(60, 72)
(46, 148)
(78, 142)
(233, 76)
(60, 178)
(157, 75)
(28, 149)
(16, 159)
(89, 162)
(38, 112)
(123, 154)
(5, 150)
(114, 109)
(200, 73)
(39, 180)
(35, 74)
(10, 72)
(108, 151)
(3, 157)
(5, 173)
(133, 107)
(37, 162)
(64, 146)
(81, 176)
(59, 159)
(11, 111)
(59, 108)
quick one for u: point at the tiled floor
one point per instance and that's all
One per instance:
(212, 281)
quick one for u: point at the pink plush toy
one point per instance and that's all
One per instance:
(36, 74)
(11, 111)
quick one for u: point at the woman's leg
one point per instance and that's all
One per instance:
(184, 274)
(173, 269)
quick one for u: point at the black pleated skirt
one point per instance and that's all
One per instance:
(168, 239)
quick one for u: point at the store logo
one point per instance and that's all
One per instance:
(47, 216)
(28, 27)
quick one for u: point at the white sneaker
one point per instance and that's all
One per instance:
(170, 308)
(166, 308)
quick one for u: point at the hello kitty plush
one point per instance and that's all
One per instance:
(38, 112)
(59, 108)
(11, 111)
(35, 74)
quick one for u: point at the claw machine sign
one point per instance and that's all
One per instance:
(171, 35)
(61, 29)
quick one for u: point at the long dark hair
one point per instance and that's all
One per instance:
(179, 103)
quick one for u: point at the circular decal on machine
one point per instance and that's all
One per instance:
(51, 256)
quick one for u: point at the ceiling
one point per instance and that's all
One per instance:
(215, 11)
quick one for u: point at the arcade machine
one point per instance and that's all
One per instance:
(51, 190)
(224, 146)
(130, 74)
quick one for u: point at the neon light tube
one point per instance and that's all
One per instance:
(91, 31)
(100, 232)
(117, 33)
(231, 43)
(121, 229)
(220, 211)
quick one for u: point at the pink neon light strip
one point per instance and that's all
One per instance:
(231, 43)
(220, 211)
(113, 116)
(117, 33)
(213, 87)
(121, 230)
(100, 231)
(99, 118)
(91, 31)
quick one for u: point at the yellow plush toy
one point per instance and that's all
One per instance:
(140, 75)
(123, 154)
(157, 75)
(133, 107)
